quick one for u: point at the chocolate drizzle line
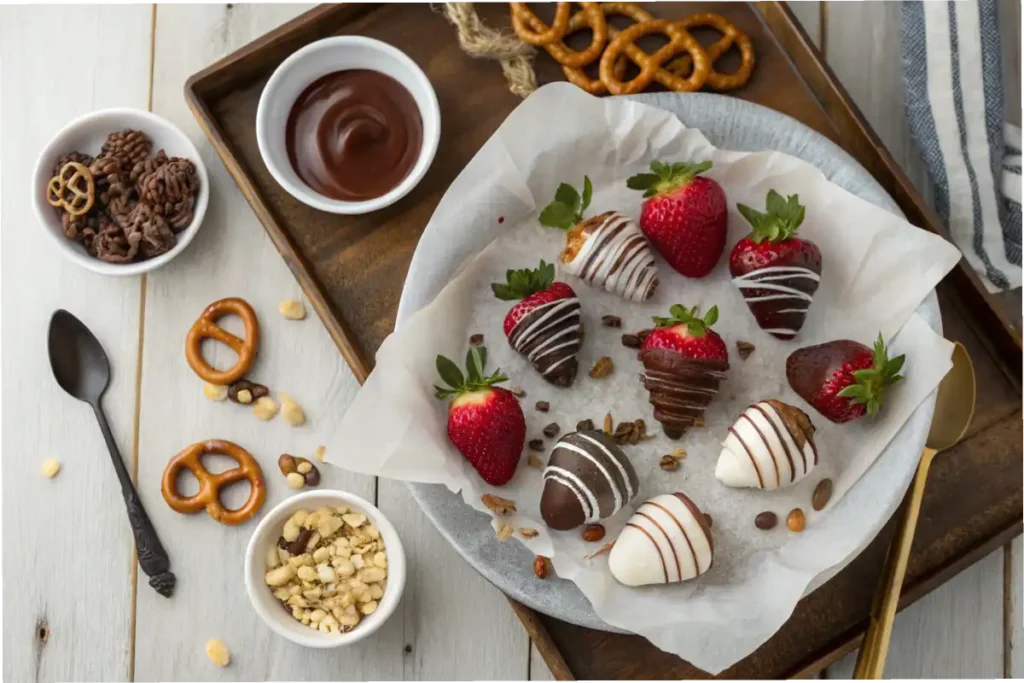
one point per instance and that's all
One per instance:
(775, 462)
(785, 446)
(664, 565)
(680, 388)
(686, 536)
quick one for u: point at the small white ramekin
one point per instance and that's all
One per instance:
(341, 53)
(269, 608)
(86, 135)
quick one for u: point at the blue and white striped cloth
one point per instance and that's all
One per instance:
(952, 67)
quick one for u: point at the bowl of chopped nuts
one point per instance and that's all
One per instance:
(325, 569)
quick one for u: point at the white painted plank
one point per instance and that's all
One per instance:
(954, 632)
(434, 620)
(808, 12)
(539, 670)
(67, 543)
(1015, 607)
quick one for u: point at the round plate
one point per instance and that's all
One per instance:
(731, 124)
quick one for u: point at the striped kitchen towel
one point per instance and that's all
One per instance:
(952, 67)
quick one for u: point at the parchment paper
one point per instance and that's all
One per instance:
(876, 270)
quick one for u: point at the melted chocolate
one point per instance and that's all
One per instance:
(681, 388)
(354, 135)
(550, 336)
(780, 294)
(807, 369)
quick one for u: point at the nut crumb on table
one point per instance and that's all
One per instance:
(218, 652)
(292, 309)
(50, 468)
(215, 392)
(291, 411)
(265, 408)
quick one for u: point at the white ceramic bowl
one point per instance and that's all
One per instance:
(87, 134)
(341, 53)
(269, 608)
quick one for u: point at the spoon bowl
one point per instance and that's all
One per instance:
(954, 405)
(77, 359)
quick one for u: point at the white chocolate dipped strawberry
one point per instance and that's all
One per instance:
(770, 446)
(606, 251)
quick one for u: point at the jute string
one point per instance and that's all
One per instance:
(478, 40)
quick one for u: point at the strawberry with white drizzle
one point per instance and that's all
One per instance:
(777, 272)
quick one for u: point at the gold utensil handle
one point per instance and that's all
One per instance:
(873, 651)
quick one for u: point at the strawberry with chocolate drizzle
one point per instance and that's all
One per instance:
(684, 362)
(606, 251)
(546, 325)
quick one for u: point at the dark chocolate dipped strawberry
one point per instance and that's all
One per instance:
(843, 379)
(546, 325)
(777, 272)
(684, 362)
(607, 251)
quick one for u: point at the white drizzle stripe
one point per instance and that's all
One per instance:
(569, 480)
(611, 456)
(771, 297)
(615, 238)
(772, 270)
(761, 437)
(607, 475)
(792, 292)
(521, 337)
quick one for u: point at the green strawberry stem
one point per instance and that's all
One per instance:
(474, 379)
(568, 206)
(665, 177)
(695, 325)
(871, 383)
(781, 220)
(522, 283)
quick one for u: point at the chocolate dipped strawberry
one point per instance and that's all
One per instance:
(485, 422)
(546, 325)
(776, 271)
(606, 251)
(684, 362)
(684, 215)
(843, 379)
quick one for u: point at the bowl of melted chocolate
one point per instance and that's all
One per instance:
(348, 124)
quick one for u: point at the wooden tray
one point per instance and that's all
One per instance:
(352, 270)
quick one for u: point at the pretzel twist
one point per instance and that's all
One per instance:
(206, 328)
(590, 17)
(581, 20)
(650, 65)
(534, 31)
(731, 35)
(66, 191)
(210, 485)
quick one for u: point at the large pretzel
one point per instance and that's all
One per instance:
(534, 31)
(67, 192)
(210, 485)
(590, 17)
(650, 65)
(583, 19)
(206, 328)
(731, 35)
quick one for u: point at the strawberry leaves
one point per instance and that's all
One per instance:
(695, 325)
(781, 220)
(568, 206)
(473, 380)
(520, 284)
(665, 178)
(871, 383)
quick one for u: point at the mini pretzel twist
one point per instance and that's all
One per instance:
(581, 20)
(206, 328)
(731, 35)
(210, 484)
(650, 65)
(66, 191)
(590, 17)
(534, 31)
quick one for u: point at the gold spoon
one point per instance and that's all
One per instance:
(954, 408)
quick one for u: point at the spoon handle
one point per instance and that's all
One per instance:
(152, 556)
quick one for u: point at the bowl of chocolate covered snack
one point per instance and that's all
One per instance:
(120, 191)
(348, 125)
(325, 569)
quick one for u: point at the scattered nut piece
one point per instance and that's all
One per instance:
(642, 335)
(533, 461)
(536, 444)
(602, 368)
(631, 432)
(291, 411)
(265, 409)
(607, 423)
(527, 532)
(497, 504)
(606, 548)
(517, 392)
(244, 396)
(822, 494)
(541, 567)
(215, 392)
(631, 341)
(679, 453)
(505, 531)
(304, 467)
(698, 422)
(542, 406)
(218, 652)
(551, 430)
(593, 533)
(476, 339)
(292, 309)
(295, 480)
(320, 453)
(795, 520)
(585, 425)
(611, 321)
(668, 463)
(354, 519)
(50, 468)
(254, 391)
(312, 475)
(766, 520)
(744, 348)
(286, 464)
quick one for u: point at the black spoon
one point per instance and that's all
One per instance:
(81, 368)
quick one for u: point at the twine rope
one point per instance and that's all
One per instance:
(478, 40)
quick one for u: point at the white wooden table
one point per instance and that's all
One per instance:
(73, 606)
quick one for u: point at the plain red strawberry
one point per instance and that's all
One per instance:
(485, 422)
(843, 379)
(684, 215)
(688, 335)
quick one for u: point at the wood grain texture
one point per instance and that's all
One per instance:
(68, 547)
(808, 12)
(1014, 659)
